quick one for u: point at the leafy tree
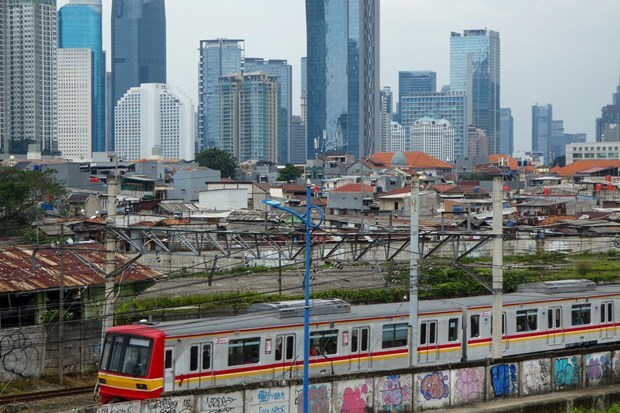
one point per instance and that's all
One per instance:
(289, 173)
(21, 192)
(218, 160)
(559, 161)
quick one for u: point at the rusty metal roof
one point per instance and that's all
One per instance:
(32, 268)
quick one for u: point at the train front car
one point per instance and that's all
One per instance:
(132, 364)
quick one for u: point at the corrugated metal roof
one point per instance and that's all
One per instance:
(84, 265)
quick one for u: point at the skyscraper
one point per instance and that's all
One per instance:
(154, 121)
(506, 132)
(387, 98)
(79, 27)
(138, 44)
(410, 82)
(298, 140)
(28, 59)
(475, 70)
(343, 76)
(218, 57)
(283, 72)
(608, 125)
(542, 129)
(434, 137)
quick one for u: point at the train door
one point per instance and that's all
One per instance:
(505, 336)
(428, 351)
(285, 353)
(169, 369)
(360, 348)
(555, 332)
(608, 330)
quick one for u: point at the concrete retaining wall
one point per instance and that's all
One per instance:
(415, 391)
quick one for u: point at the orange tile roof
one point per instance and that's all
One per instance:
(353, 188)
(417, 160)
(578, 166)
(513, 164)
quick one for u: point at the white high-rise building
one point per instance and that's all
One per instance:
(154, 121)
(398, 138)
(75, 113)
(433, 137)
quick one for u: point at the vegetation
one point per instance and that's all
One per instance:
(219, 160)
(614, 408)
(289, 173)
(21, 194)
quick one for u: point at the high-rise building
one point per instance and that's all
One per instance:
(475, 70)
(248, 116)
(399, 138)
(75, 103)
(304, 89)
(506, 132)
(478, 142)
(298, 140)
(410, 82)
(28, 59)
(608, 125)
(138, 45)
(343, 76)
(154, 121)
(434, 137)
(79, 27)
(283, 72)
(386, 119)
(451, 106)
(542, 129)
(218, 57)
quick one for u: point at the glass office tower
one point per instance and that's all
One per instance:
(343, 76)
(542, 129)
(410, 82)
(506, 132)
(474, 69)
(138, 44)
(79, 27)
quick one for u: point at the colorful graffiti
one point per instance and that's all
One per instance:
(353, 400)
(504, 379)
(394, 394)
(535, 376)
(318, 399)
(597, 365)
(434, 386)
(469, 383)
(566, 372)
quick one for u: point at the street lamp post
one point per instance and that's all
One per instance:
(309, 226)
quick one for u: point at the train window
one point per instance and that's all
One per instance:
(550, 318)
(474, 326)
(243, 351)
(206, 356)
(503, 323)
(279, 344)
(527, 320)
(394, 335)
(323, 342)
(423, 333)
(126, 355)
(168, 359)
(359, 343)
(580, 314)
(607, 312)
(290, 347)
(432, 332)
(365, 334)
(105, 357)
(453, 329)
(193, 358)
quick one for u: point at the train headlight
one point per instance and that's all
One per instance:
(101, 381)
(141, 386)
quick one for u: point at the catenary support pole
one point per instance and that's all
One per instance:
(497, 271)
(413, 268)
(110, 259)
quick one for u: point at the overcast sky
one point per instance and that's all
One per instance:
(562, 52)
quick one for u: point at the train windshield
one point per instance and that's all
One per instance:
(126, 355)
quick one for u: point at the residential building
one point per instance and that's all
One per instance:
(399, 138)
(478, 142)
(475, 70)
(28, 70)
(506, 131)
(248, 116)
(410, 82)
(75, 103)
(434, 137)
(218, 57)
(283, 73)
(154, 121)
(592, 150)
(418, 162)
(542, 129)
(79, 27)
(298, 140)
(451, 106)
(386, 118)
(608, 125)
(343, 76)
(138, 46)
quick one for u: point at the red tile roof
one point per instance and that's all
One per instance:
(351, 188)
(416, 160)
(293, 188)
(583, 165)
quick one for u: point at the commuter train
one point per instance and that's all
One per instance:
(141, 361)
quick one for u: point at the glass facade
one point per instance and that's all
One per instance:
(542, 129)
(79, 27)
(475, 70)
(138, 44)
(342, 76)
(506, 132)
(218, 57)
(410, 82)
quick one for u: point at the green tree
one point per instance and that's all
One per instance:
(21, 192)
(289, 173)
(218, 160)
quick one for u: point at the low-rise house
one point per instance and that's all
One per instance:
(83, 203)
(541, 208)
(351, 199)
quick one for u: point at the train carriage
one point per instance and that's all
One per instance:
(143, 360)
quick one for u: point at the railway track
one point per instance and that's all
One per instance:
(28, 397)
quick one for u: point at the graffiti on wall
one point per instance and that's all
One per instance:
(355, 398)
(469, 383)
(395, 394)
(566, 372)
(318, 398)
(171, 405)
(435, 386)
(535, 376)
(597, 365)
(504, 379)
(218, 403)
(117, 408)
(18, 355)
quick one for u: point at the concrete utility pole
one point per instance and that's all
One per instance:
(110, 259)
(61, 309)
(414, 264)
(497, 272)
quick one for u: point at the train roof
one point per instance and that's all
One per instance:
(322, 311)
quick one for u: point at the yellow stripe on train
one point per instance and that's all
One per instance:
(131, 383)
